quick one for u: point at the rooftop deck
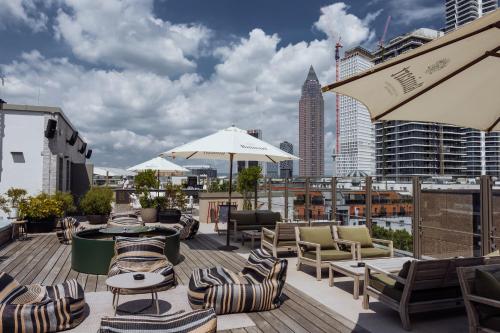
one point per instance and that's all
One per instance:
(41, 259)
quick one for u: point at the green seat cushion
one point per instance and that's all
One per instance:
(329, 255)
(374, 252)
(268, 239)
(287, 243)
(244, 217)
(486, 285)
(388, 287)
(356, 234)
(318, 235)
(492, 323)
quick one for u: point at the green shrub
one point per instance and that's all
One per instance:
(97, 201)
(247, 180)
(4, 205)
(67, 202)
(40, 207)
(16, 196)
(174, 198)
(402, 239)
(145, 181)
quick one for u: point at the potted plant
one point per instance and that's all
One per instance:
(145, 181)
(247, 180)
(96, 204)
(67, 202)
(172, 204)
(4, 204)
(16, 196)
(41, 212)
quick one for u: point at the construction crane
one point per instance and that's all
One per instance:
(338, 46)
(382, 39)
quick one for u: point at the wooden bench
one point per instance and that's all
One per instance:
(420, 286)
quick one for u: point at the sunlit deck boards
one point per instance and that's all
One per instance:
(41, 259)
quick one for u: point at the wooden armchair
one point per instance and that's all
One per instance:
(316, 247)
(364, 242)
(282, 238)
(483, 312)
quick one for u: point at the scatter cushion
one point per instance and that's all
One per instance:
(198, 321)
(329, 255)
(486, 285)
(318, 235)
(355, 234)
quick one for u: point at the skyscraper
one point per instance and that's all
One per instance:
(460, 12)
(311, 128)
(257, 133)
(357, 143)
(286, 167)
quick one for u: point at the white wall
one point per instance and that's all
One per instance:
(21, 132)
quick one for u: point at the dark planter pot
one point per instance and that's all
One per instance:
(97, 219)
(46, 225)
(169, 216)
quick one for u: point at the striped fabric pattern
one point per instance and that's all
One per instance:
(187, 227)
(142, 255)
(125, 220)
(46, 308)
(199, 321)
(257, 288)
(68, 226)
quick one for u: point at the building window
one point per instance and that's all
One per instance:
(18, 157)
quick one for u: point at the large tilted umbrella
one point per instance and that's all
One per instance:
(231, 144)
(453, 79)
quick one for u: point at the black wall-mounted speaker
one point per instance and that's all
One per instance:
(89, 154)
(73, 138)
(82, 150)
(50, 130)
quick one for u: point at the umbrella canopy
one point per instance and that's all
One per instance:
(112, 172)
(453, 79)
(230, 141)
(164, 167)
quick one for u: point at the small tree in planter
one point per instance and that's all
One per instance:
(247, 180)
(16, 196)
(41, 212)
(145, 181)
(96, 204)
(4, 204)
(172, 204)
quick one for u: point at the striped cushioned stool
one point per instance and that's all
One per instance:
(257, 287)
(68, 226)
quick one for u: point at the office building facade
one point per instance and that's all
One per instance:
(460, 12)
(286, 167)
(357, 142)
(311, 128)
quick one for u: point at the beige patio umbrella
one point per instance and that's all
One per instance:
(454, 79)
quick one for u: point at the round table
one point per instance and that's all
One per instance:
(127, 281)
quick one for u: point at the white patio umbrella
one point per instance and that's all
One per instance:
(161, 165)
(453, 79)
(231, 144)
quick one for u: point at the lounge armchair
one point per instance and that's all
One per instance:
(187, 227)
(257, 287)
(39, 309)
(481, 292)
(316, 247)
(142, 255)
(282, 238)
(420, 286)
(125, 219)
(365, 247)
(198, 321)
(68, 226)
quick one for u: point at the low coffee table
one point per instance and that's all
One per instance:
(252, 234)
(126, 281)
(350, 268)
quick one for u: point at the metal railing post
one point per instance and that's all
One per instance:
(307, 201)
(269, 194)
(486, 215)
(286, 198)
(416, 219)
(368, 203)
(334, 198)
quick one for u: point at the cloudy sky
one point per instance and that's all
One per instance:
(140, 77)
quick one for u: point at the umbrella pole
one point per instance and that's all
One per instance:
(229, 247)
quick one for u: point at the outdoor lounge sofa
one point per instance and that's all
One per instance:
(252, 220)
(198, 321)
(316, 247)
(142, 255)
(365, 244)
(420, 286)
(67, 227)
(39, 309)
(481, 292)
(257, 287)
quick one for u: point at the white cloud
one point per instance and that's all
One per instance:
(408, 11)
(22, 11)
(335, 22)
(126, 34)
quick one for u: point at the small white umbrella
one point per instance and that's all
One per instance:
(230, 144)
(453, 79)
(161, 165)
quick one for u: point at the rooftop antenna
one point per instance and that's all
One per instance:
(338, 46)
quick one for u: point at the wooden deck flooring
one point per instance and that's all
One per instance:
(41, 259)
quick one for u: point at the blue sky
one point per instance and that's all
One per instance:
(139, 77)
